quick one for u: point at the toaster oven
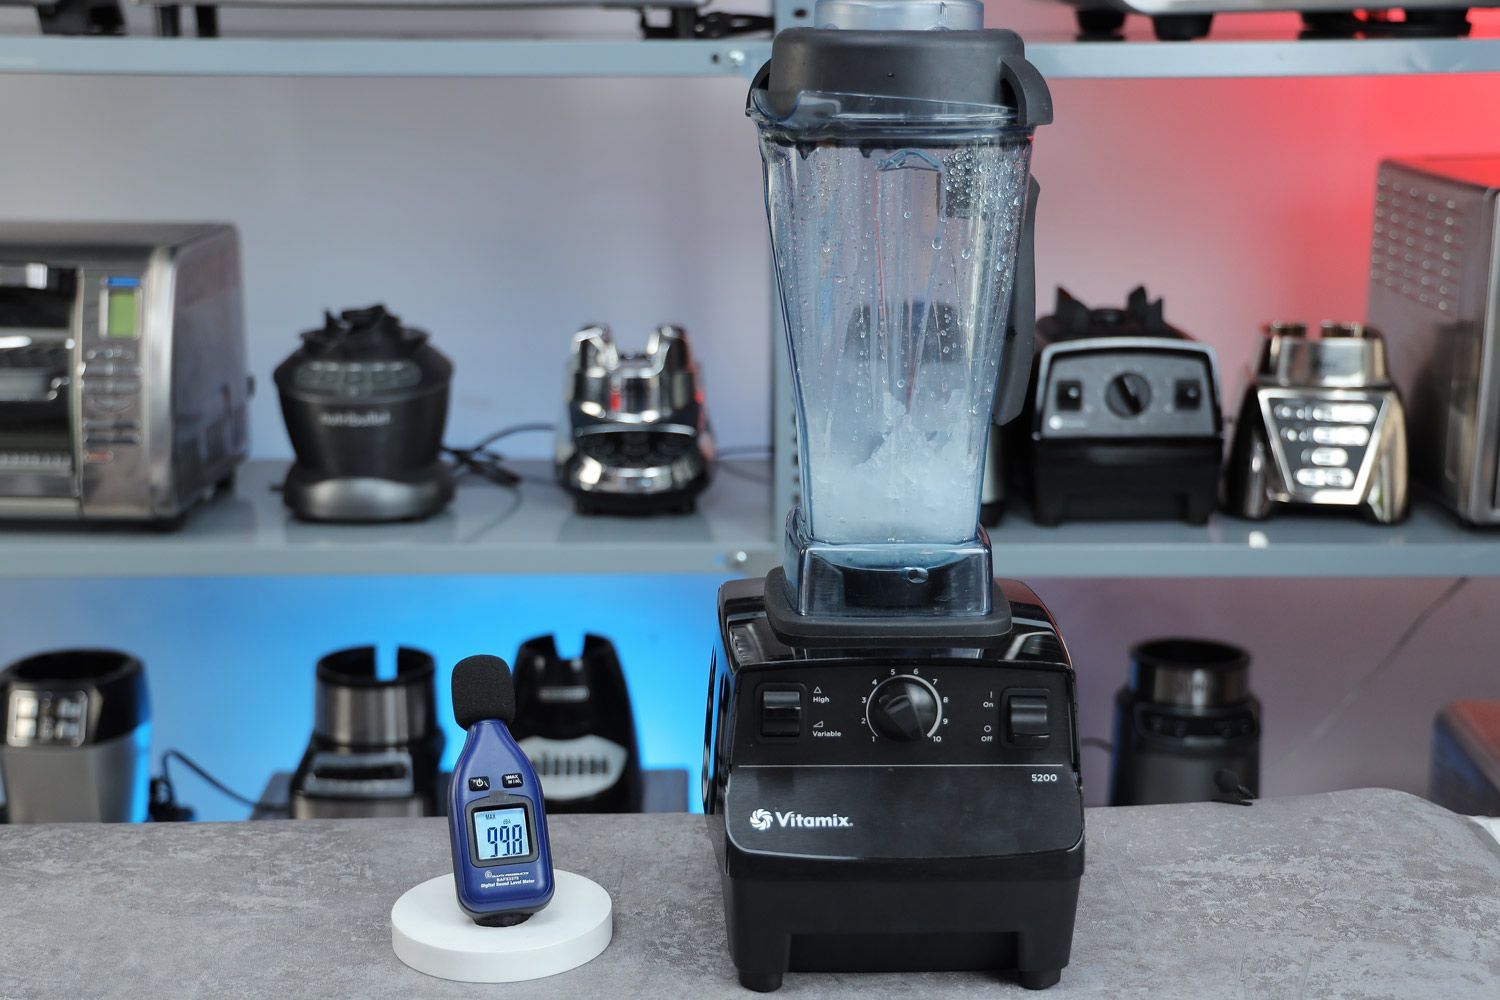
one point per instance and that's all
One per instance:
(123, 387)
(1434, 285)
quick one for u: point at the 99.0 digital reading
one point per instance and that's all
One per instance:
(501, 833)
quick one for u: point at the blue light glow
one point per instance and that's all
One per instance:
(230, 661)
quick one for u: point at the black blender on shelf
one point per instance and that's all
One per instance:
(890, 764)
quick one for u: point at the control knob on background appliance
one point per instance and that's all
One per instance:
(904, 708)
(1128, 395)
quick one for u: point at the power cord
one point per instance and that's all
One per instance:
(481, 460)
(742, 451)
(164, 807)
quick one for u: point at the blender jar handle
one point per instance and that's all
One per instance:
(1022, 85)
(1020, 324)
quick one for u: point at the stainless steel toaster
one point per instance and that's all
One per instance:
(123, 387)
(1434, 282)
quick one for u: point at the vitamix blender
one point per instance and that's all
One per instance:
(891, 766)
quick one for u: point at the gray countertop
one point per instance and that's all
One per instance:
(1347, 895)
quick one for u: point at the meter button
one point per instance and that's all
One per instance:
(1026, 719)
(512, 780)
(781, 711)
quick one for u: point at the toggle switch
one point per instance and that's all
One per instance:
(781, 711)
(1026, 719)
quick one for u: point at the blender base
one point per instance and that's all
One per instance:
(814, 631)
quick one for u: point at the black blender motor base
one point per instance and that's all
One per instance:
(1031, 948)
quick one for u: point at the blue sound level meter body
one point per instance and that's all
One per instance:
(502, 861)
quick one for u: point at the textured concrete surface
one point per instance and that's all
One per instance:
(1348, 895)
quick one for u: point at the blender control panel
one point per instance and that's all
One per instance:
(357, 379)
(47, 718)
(905, 713)
(1322, 441)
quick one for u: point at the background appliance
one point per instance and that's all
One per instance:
(1322, 428)
(574, 722)
(1465, 775)
(1122, 419)
(75, 17)
(890, 762)
(1185, 714)
(636, 438)
(1434, 275)
(77, 736)
(1184, 20)
(123, 386)
(376, 744)
(685, 18)
(366, 401)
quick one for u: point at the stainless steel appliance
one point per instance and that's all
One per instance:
(1322, 427)
(684, 17)
(366, 401)
(890, 763)
(77, 735)
(636, 437)
(1435, 295)
(1122, 419)
(123, 387)
(1184, 20)
(376, 745)
(75, 17)
(1185, 714)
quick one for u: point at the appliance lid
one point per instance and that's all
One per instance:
(372, 333)
(899, 63)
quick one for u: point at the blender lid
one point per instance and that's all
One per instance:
(892, 77)
(370, 333)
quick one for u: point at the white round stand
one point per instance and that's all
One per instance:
(431, 934)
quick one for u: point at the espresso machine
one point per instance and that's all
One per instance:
(890, 765)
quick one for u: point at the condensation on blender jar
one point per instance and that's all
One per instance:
(897, 304)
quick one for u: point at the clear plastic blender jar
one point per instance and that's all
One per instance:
(896, 222)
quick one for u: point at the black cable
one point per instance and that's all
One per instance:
(1354, 693)
(190, 764)
(745, 449)
(1097, 743)
(482, 460)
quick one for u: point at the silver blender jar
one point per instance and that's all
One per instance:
(891, 766)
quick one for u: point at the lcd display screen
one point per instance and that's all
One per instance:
(122, 311)
(501, 833)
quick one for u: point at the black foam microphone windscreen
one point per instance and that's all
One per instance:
(482, 689)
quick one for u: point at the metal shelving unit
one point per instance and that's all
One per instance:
(486, 531)
(437, 58)
(737, 528)
(372, 57)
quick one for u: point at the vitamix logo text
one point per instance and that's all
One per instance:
(761, 819)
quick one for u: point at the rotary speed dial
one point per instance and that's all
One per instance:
(904, 708)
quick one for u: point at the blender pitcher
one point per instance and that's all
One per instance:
(896, 152)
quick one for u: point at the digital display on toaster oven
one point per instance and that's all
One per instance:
(122, 300)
